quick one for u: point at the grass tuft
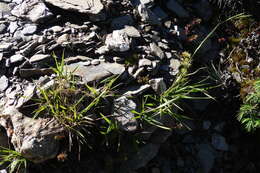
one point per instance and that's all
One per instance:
(15, 161)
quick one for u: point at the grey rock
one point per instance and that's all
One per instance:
(29, 29)
(237, 77)
(219, 142)
(168, 55)
(123, 115)
(3, 83)
(33, 138)
(95, 62)
(174, 66)
(3, 171)
(102, 50)
(13, 27)
(5, 46)
(132, 31)
(144, 62)
(56, 29)
(206, 125)
(118, 59)
(158, 85)
(2, 28)
(75, 59)
(206, 156)
(203, 9)
(188, 139)
(93, 8)
(16, 58)
(134, 91)
(34, 10)
(176, 8)
(32, 72)
(4, 10)
(28, 93)
(63, 39)
(156, 51)
(159, 13)
(1, 56)
(147, 15)
(120, 22)
(28, 48)
(147, 3)
(219, 127)
(92, 73)
(141, 158)
(6, 1)
(39, 58)
(118, 41)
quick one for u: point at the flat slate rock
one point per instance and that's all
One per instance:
(94, 72)
(82, 6)
(3, 83)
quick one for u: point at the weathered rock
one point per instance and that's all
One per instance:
(34, 10)
(93, 8)
(39, 58)
(147, 2)
(4, 10)
(147, 15)
(219, 142)
(32, 72)
(123, 115)
(158, 85)
(13, 26)
(3, 171)
(29, 29)
(135, 91)
(2, 28)
(206, 156)
(3, 138)
(56, 29)
(174, 66)
(33, 138)
(63, 39)
(5, 46)
(206, 125)
(16, 58)
(203, 9)
(28, 93)
(118, 41)
(176, 8)
(159, 13)
(144, 62)
(141, 158)
(156, 50)
(92, 73)
(75, 59)
(132, 31)
(121, 22)
(3, 83)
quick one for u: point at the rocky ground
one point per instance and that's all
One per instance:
(146, 43)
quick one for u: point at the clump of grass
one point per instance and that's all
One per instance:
(15, 161)
(77, 107)
(168, 103)
(249, 113)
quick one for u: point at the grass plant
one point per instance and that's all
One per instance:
(249, 113)
(168, 103)
(15, 161)
(75, 106)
